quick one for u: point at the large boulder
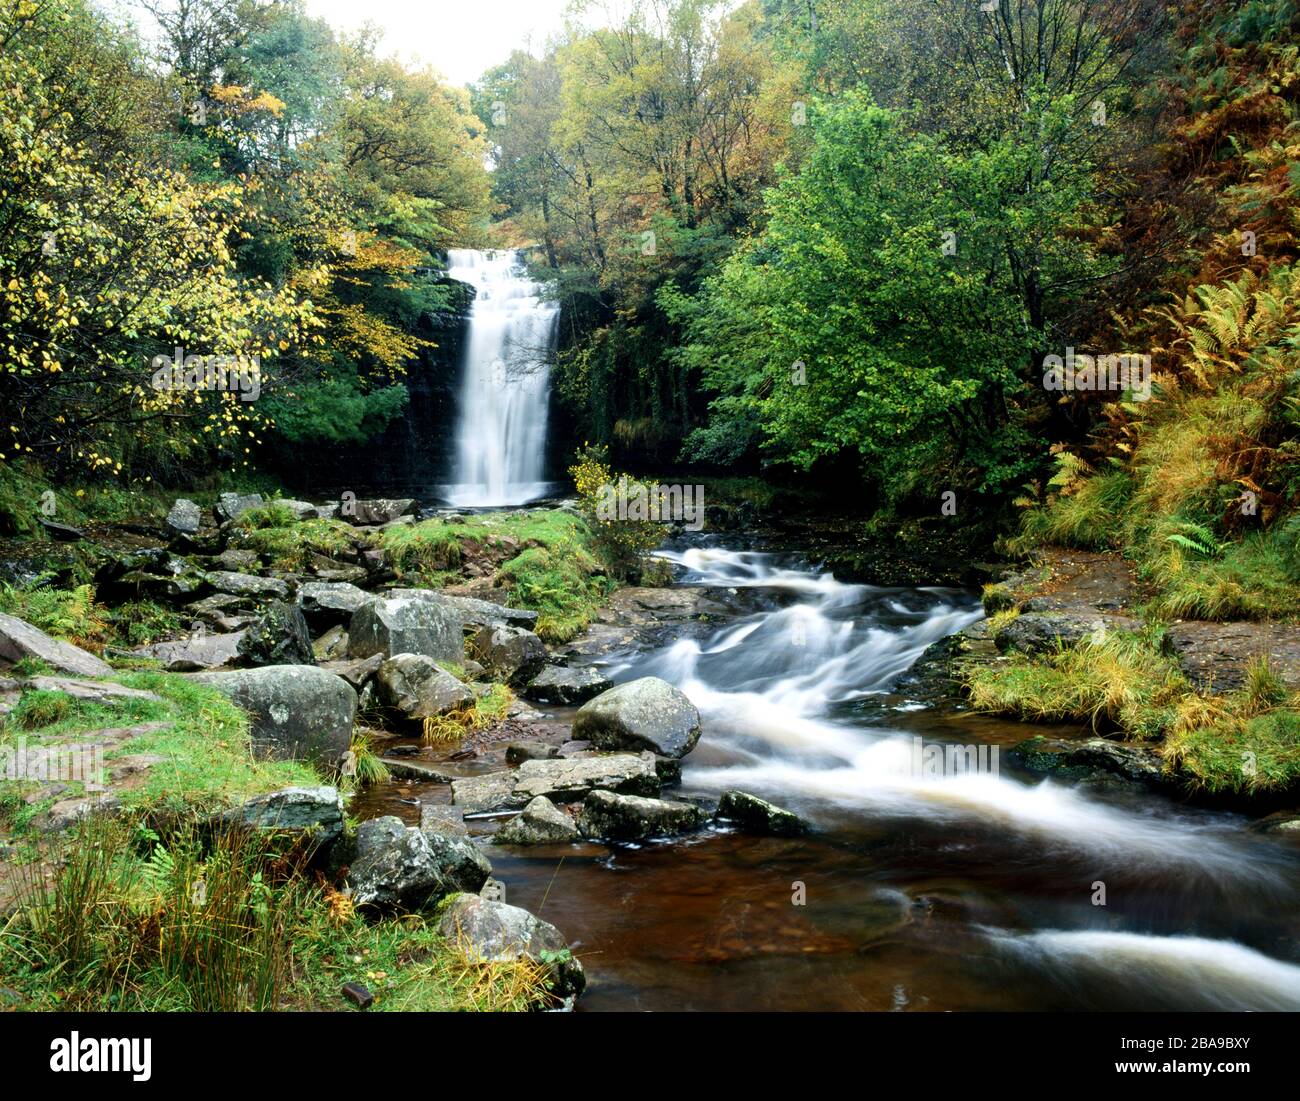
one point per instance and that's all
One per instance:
(539, 823)
(510, 654)
(648, 713)
(326, 603)
(613, 817)
(758, 815)
(317, 811)
(19, 639)
(562, 684)
(185, 517)
(278, 637)
(418, 688)
(296, 711)
(397, 866)
(494, 930)
(405, 625)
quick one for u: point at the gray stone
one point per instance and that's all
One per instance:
(561, 684)
(487, 791)
(70, 812)
(494, 930)
(541, 822)
(296, 711)
(571, 778)
(277, 637)
(377, 510)
(443, 819)
(405, 625)
(403, 867)
(357, 671)
(230, 505)
(472, 612)
(238, 559)
(19, 640)
(247, 584)
(417, 687)
(510, 654)
(202, 650)
(1085, 760)
(302, 510)
(185, 517)
(648, 713)
(316, 810)
(759, 816)
(1046, 632)
(613, 817)
(326, 603)
(96, 691)
(530, 750)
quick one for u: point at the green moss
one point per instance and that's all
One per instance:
(555, 572)
(290, 546)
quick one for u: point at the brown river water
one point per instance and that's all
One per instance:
(917, 890)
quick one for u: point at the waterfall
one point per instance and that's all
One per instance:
(501, 434)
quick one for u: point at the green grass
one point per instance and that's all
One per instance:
(1121, 682)
(206, 755)
(548, 564)
(1089, 518)
(407, 965)
(1242, 742)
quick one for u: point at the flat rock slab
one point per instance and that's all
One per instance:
(195, 654)
(562, 780)
(608, 816)
(1077, 580)
(19, 640)
(569, 779)
(567, 685)
(1217, 655)
(247, 584)
(96, 691)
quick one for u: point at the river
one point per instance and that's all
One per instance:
(921, 888)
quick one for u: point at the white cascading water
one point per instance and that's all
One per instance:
(501, 433)
(773, 687)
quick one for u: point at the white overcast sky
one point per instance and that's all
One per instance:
(460, 38)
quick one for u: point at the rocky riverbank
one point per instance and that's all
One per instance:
(338, 665)
(1200, 710)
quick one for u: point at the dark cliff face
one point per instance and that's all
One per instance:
(416, 450)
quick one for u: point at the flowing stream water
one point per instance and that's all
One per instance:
(917, 889)
(501, 431)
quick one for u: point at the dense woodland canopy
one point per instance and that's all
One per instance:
(834, 238)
